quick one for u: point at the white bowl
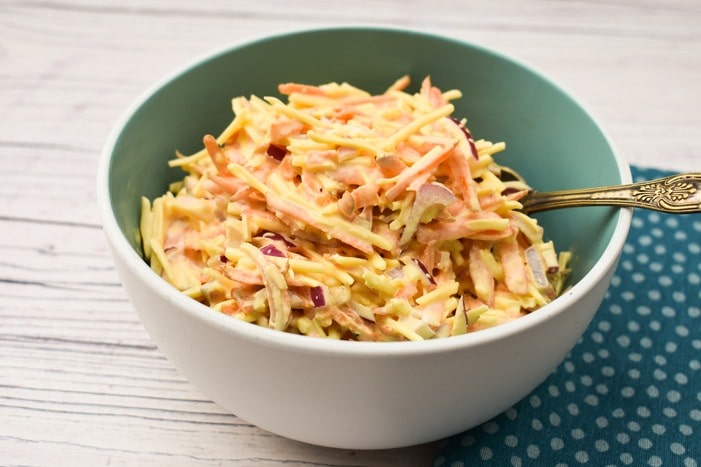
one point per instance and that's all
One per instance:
(364, 395)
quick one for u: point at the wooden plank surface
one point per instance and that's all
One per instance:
(81, 383)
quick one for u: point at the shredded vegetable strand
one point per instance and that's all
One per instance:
(347, 215)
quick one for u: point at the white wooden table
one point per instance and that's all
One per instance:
(81, 383)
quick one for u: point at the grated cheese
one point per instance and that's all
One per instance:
(303, 216)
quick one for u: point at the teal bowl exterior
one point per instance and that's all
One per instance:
(367, 395)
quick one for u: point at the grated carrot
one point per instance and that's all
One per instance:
(346, 215)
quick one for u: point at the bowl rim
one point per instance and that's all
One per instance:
(304, 344)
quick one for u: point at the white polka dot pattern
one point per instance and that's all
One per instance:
(629, 393)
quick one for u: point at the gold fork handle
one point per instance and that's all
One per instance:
(676, 194)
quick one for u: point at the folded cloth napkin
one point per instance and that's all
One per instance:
(629, 392)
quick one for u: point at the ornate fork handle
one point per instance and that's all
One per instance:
(676, 194)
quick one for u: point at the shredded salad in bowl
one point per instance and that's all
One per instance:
(343, 214)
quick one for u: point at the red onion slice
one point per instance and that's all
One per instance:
(272, 250)
(421, 266)
(468, 136)
(431, 199)
(276, 152)
(318, 296)
(277, 237)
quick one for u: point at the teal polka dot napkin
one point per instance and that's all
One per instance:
(629, 393)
